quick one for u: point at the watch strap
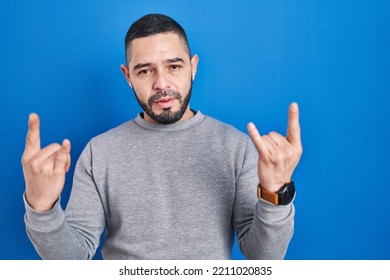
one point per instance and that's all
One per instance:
(267, 195)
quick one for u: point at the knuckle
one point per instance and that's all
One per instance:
(273, 134)
(29, 139)
(35, 165)
(290, 153)
(55, 146)
(296, 130)
(278, 157)
(24, 160)
(61, 157)
(56, 172)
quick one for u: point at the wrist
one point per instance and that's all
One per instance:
(274, 183)
(38, 204)
(282, 196)
(273, 187)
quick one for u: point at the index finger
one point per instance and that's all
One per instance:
(293, 127)
(33, 139)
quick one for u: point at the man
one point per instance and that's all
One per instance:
(170, 184)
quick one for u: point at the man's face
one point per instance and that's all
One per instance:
(160, 72)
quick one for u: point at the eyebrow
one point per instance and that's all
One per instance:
(166, 61)
(173, 60)
(142, 65)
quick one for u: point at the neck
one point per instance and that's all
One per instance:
(187, 115)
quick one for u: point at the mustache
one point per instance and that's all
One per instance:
(164, 93)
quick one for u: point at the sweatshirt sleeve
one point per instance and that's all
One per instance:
(74, 233)
(263, 230)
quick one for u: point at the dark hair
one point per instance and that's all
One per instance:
(153, 24)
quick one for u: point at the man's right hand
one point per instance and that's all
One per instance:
(44, 169)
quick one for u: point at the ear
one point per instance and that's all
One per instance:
(194, 65)
(126, 73)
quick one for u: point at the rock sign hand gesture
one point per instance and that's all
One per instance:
(278, 155)
(44, 169)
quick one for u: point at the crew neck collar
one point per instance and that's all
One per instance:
(180, 125)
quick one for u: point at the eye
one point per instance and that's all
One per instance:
(175, 66)
(145, 72)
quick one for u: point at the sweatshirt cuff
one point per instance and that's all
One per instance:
(44, 221)
(273, 213)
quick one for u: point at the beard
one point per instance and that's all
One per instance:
(167, 116)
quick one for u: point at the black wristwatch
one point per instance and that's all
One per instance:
(282, 197)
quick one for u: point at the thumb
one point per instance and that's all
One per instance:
(62, 161)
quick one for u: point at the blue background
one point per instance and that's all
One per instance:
(61, 59)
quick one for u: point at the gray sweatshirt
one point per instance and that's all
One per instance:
(176, 191)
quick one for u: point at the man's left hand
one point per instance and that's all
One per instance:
(278, 155)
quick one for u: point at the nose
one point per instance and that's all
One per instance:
(161, 82)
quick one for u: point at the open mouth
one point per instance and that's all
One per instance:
(164, 103)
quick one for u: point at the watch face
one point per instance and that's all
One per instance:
(288, 193)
